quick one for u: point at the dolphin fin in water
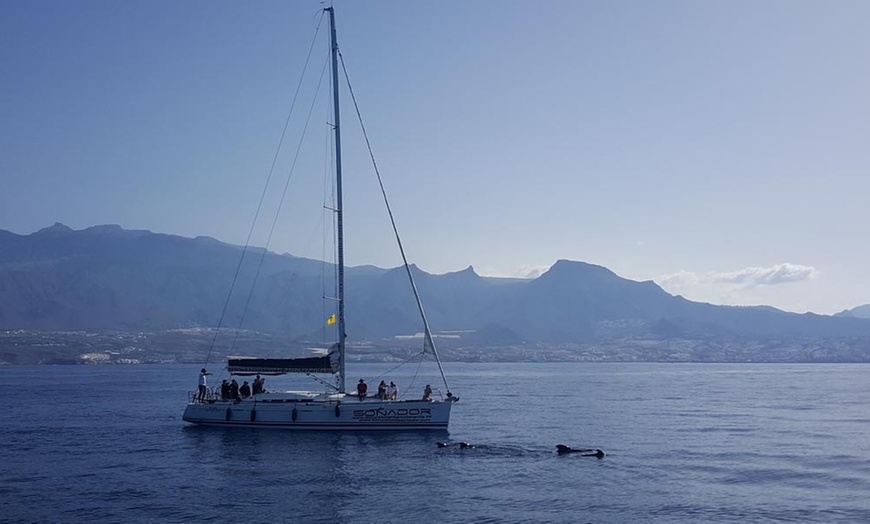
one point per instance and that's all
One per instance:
(562, 449)
(460, 445)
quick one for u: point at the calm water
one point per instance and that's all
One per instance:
(685, 443)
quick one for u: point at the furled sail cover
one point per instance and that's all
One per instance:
(279, 366)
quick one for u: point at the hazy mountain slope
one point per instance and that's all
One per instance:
(856, 312)
(107, 278)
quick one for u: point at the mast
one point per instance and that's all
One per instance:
(339, 209)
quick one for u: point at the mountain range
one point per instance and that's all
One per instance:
(108, 278)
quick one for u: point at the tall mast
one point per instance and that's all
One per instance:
(339, 209)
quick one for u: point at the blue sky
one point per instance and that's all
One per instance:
(719, 147)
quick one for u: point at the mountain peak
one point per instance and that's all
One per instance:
(400, 270)
(104, 228)
(55, 229)
(564, 267)
(468, 272)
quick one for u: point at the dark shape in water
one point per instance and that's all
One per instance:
(460, 445)
(562, 449)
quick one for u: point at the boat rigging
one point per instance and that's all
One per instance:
(327, 410)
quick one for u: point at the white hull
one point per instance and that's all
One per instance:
(343, 415)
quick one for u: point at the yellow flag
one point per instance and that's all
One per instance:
(331, 320)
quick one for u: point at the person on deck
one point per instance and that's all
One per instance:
(382, 390)
(392, 391)
(361, 389)
(234, 390)
(258, 385)
(202, 391)
(245, 390)
(225, 390)
(427, 393)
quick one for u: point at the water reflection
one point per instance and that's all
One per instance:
(314, 475)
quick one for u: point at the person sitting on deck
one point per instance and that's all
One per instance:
(392, 391)
(245, 390)
(234, 390)
(258, 385)
(361, 389)
(427, 393)
(225, 390)
(382, 390)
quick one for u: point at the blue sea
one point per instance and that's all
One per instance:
(684, 443)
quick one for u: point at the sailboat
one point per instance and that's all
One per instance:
(334, 408)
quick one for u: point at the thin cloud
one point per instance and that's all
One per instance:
(680, 279)
(524, 271)
(531, 271)
(768, 276)
(748, 277)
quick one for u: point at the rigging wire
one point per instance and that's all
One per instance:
(428, 340)
(400, 364)
(263, 195)
(328, 210)
(416, 372)
(332, 167)
(280, 205)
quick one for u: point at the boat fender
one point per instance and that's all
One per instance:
(253, 414)
(229, 414)
(337, 411)
(295, 414)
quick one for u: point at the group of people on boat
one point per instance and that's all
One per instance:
(231, 390)
(389, 392)
(385, 392)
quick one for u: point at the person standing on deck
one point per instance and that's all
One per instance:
(392, 391)
(203, 385)
(382, 390)
(361, 389)
(427, 393)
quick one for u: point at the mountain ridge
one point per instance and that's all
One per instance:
(106, 277)
(862, 311)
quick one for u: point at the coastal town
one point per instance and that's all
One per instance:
(191, 345)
